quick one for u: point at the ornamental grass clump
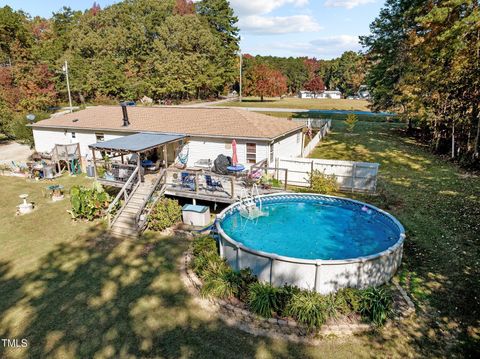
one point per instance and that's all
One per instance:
(166, 213)
(264, 299)
(308, 308)
(376, 305)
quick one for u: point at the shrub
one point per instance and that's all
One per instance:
(88, 203)
(165, 213)
(322, 183)
(351, 121)
(220, 284)
(243, 280)
(348, 300)
(263, 299)
(285, 296)
(204, 245)
(376, 304)
(307, 308)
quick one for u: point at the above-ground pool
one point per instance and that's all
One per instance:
(316, 242)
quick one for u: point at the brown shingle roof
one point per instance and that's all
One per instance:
(209, 122)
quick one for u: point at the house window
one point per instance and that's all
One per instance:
(272, 153)
(251, 153)
(100, 137)
(299, 137)
(74, 135)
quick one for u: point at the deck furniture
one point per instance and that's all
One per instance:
(187, 181)
(204, 164)
(213, 185)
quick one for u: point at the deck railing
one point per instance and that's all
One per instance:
(126, 192)
(146, 207)
(229, 183)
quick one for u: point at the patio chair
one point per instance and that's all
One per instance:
(187, 181)
(213, 185)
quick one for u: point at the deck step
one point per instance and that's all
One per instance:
(126, 231)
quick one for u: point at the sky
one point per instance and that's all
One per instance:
(316, 28)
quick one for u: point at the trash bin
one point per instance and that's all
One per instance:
(90, 171)
(195, 215)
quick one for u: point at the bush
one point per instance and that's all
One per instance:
(322, 183)
(351, 121)
(166, 213)
(204, 245)
(220, 284)
(308, 308)
(376, 305)
(243, 280)
(264, 299)
(88, 203)
(285, 296)
(348, 300)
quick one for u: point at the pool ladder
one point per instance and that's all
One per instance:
(248, 199)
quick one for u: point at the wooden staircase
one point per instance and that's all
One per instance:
(130, 219)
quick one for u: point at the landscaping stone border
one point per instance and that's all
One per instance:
(240, 318)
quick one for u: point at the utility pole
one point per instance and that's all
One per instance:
(65, 69)
(240, 83)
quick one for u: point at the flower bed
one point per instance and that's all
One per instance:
(287, 310)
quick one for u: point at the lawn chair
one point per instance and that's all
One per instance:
(213, 185)
(187, 181)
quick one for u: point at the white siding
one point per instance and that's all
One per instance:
(199, 148)
(46, 139)
(289, 146)
(210, 148)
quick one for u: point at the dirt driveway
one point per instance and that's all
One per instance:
(13, 151)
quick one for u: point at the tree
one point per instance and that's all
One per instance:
(184, 64)
(184, 7)
(425, 64)
(262, 80)
(222, 21)
(315, 85)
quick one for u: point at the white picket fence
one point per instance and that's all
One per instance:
(351, 176)
(322, 132)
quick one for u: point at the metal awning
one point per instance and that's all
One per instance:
(138, 142)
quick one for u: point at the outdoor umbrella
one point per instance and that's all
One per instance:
(234, 156)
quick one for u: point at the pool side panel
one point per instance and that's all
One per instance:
(323, 276)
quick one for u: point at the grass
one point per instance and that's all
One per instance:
(74, 295)
(297, 103)
(440, 208)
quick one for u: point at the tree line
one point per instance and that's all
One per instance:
(169, 49)
(424, 64)
(277, 76)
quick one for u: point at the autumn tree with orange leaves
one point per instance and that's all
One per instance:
(263, 81)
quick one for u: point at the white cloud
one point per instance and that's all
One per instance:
(338, 41)
(259, 7)
(267, 25)
(324, 47)
(347, 4)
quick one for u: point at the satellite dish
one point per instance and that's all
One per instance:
(30, 117)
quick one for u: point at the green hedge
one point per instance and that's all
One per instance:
(307, 307)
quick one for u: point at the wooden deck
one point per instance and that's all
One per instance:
(232, 187)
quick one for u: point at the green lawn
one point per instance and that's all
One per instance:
(309, 104)
(73, 295)
(440, 209)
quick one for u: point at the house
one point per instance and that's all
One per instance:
(325, 94)
(207, 132)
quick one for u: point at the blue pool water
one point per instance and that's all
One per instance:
(314, 230)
